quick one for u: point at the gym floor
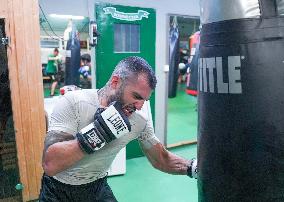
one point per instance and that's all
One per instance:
(143, 183)
(182, 117)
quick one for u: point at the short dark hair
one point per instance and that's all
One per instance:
(130, 67)
(86, 57)
(56, 50)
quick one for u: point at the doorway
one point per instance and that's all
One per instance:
(182, 108)
(10, 188)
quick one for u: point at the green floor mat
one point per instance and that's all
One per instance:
(46, 90)
(143, 183)
(47, 93)
(182, 117)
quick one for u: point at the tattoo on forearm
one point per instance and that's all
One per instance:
(56, 136)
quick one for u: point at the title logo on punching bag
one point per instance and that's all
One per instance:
(220, 75)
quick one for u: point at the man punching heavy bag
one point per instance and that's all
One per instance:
(241, 101)
(72, 59)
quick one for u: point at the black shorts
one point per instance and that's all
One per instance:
(54, 191)
(54, 77)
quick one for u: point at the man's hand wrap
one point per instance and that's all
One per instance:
(108, 125)
(192, 168)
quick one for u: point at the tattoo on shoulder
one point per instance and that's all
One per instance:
(56, 136)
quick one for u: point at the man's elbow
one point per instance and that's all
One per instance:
(48, 164)
(49, 169)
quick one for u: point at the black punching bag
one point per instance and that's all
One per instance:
(241, 101)
(72, 63)
(174, 59)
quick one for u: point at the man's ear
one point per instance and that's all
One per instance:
(115, 81)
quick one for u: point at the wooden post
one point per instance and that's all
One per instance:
(22, 27)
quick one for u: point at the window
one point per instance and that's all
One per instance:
(126, 38)
(48, 42)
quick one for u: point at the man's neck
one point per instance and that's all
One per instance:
(103, 97)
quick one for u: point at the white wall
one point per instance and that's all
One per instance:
(163, 9)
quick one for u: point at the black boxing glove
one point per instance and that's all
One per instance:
(192, 168)
(108, 125)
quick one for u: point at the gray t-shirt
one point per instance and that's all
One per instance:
(74, 111)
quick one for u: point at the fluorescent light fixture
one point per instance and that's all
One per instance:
(74, 17)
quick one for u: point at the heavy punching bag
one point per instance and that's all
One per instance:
(241, 101)
(174, 59)
(72, 63)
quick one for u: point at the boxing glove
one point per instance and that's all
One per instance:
(84, 71)
(192, 168)
(109, 124)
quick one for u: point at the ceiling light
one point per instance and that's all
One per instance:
(74, 17)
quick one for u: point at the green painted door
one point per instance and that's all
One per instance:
(124, 31)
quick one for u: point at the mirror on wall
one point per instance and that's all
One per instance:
(182, 101)
(65, 52)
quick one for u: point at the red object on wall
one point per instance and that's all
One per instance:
(191, 84)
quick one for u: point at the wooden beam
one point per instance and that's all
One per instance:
(3, 9)
(14, 86)
(36, 95)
